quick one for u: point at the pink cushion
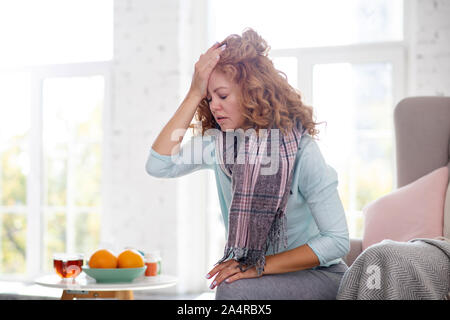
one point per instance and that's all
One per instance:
(412, 211)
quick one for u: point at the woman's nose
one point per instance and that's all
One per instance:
(215, 105)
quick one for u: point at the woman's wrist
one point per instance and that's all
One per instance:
(300, 258)
(194, 96)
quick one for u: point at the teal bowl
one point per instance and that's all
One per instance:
(114, 275)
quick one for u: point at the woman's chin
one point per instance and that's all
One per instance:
(227, 127)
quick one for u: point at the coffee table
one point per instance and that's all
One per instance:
(84, 286)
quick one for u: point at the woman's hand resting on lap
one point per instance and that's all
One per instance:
(229, 271)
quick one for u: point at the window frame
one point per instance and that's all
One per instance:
(34, 207)
(393, 52)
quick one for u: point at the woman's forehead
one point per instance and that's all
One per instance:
(218, 81)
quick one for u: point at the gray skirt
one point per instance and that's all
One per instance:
(321, 283)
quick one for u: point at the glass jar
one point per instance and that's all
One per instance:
(153, 264)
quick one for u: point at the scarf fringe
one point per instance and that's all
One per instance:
(277, 234)
(249, 258)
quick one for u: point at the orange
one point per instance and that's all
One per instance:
(130, 258)
(103, 258)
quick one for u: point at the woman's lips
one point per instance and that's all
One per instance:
(219, 120)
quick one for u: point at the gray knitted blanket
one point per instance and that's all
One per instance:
(390, 270)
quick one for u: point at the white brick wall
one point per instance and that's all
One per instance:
(430, 47)
(141, 211)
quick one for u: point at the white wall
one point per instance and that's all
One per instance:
(140, 211)
(428, 32)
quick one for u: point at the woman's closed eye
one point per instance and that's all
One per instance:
(210, 99)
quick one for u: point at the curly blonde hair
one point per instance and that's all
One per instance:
(269, 100)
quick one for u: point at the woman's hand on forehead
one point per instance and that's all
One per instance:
(203, 69)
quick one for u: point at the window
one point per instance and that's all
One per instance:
(14, 170)
(72, 137)
(51, 164)
(347, 59)
(54, 98)
(357, 100)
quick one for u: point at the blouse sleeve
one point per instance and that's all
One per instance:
(198, 153)
(318, 184)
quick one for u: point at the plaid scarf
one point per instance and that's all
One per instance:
(257, 217)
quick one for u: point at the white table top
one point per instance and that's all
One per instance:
(85, 283)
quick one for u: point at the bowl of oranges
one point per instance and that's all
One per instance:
(105, 267)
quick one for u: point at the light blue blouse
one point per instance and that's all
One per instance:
(315, 215)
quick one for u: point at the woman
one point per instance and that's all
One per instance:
(236, 87)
